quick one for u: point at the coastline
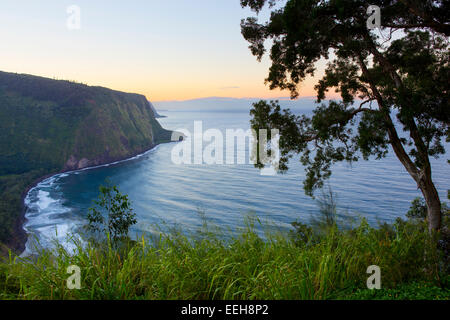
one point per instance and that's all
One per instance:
(20, 235)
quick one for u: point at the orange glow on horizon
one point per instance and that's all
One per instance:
(199, 54)
(180, 91)
(166, 90)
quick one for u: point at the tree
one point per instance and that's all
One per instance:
(117, 209)
(393, 83)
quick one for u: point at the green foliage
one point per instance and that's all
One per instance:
(117, 209)
(319, 262)
(302, 234)
(418, 209)
(244, 267)
(408, 291)
(327, 218)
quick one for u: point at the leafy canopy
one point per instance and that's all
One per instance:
(112, 214)
(393, 81)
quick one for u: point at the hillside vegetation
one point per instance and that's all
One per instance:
(48, 126)
(332, 265)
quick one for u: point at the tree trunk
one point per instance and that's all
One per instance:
(422, 177)
(433, 204)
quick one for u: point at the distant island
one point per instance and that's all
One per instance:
(49, 126)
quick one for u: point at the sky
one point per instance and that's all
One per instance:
(164, 49)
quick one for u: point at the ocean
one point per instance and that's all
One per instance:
(165, 195)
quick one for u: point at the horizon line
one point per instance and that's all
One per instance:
(234, 98)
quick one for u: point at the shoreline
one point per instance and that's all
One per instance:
(19, 234)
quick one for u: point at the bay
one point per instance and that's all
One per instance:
(170, 195)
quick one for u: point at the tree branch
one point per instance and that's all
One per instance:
(412, 126)
(392, 132)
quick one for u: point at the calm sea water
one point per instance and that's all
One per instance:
(166, 194)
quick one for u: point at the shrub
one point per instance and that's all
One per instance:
(119, 214)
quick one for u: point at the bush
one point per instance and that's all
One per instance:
(408, 291)
(119, 215)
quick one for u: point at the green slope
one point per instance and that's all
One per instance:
(47, 126)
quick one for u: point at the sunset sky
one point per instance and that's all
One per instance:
(164, 49)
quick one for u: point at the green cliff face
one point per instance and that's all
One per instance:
(60, 125)
(48, 126)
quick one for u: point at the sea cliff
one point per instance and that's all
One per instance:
(49, 126)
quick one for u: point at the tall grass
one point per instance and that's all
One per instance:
(244, 267)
